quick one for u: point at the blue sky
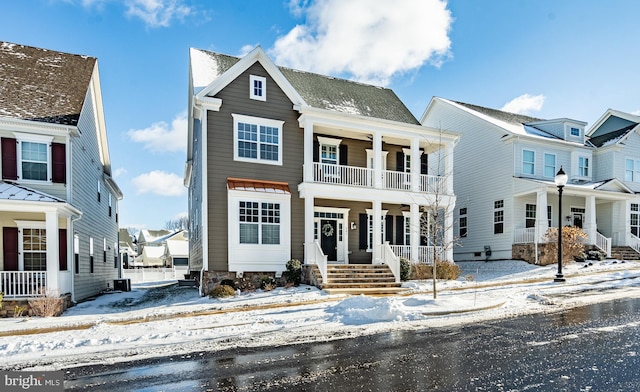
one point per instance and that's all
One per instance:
(545, 58)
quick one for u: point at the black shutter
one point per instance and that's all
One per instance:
(364, 229)
(400, 161)
(316, 151)
(400, 230)
(343, 154)
(9, 159)
(58, 163)
(10, 247)
(388, 235)
(424, 164)
(62, 249)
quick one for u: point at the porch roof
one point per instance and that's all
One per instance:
(17, 195)
(242, 184)
(611, 188)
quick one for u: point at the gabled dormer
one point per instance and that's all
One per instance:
(563, 128)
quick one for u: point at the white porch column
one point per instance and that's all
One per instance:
(448, 167)
(622, 221)
(415, 164)
(542, 220)
(377, 232)
(53, 267)
(308, 152)
(377, 160)
(415, 231)
(448, 232)
(589, 225)
(308, 227)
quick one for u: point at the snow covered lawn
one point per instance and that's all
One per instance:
(162, 319)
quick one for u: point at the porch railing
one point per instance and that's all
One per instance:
(327, 173)
(634, 242)
(524, 236)
(603, 243)
(391, 259)
(425, 253)
(317, 257)
(21, 284)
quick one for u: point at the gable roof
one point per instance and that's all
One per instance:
(10, 191)
(612, 137)
(43, 85)
(211, 71)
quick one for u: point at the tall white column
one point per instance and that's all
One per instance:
(377, 160)
(542, 220)
(377, 232)
(448, 167)
(308, 152)
(448, 232)
(308, 227)
(415, 164)
(53, 267)
(415, 231)
(589, 224)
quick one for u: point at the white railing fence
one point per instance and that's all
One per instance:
(390, 259)
(16, 284)
(396, 180)
(524, 236)
(434, 184)
(603, 243)
(317, 257)
(425, 253)
(342, 175)
(139, 275)
(634, 242)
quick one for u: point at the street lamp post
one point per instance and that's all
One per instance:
(561, 181)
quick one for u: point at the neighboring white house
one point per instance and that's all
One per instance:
(176, 254)
(504, 179)
(58, 201)
(285, 164)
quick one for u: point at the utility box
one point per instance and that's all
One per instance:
(122, 284)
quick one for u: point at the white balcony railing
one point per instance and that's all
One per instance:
(363, 177)
(22, 284)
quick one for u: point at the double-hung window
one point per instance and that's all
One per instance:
(370, 230)
(528, 162)
(530, 215)
(34, 157)
(257, 140)
(635, 219)
(632, 170)
(498, 217)
(463, 222)
(549, 165)
(34, 249)
(583, 166)
(259, 223)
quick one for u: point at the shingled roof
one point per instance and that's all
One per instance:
(43, 85)
(318, 91)
(511, 118)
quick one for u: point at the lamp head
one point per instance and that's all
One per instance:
(561, 178)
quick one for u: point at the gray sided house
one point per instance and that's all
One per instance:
(58, 201)
(286, 164)
(504, 180)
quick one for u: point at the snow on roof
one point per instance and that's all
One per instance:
(178, 247)
(153, 252)
(204, 69)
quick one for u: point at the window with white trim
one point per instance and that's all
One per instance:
(530, 216)
(34, 249)
(257, 139)
(463, 222)
(257, 88)
(632, 170)
(635, 219)
(549, 165)
(574, 131)
(549, 216)
(498, 217)
(528, 162)
(34, 161)
(383, 230)
(583, 166)
(259, 222)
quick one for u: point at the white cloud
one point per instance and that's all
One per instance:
(160, 183)
(162, 137)
(524, 104)
(119, 171)
(158, 13)
(370, 40)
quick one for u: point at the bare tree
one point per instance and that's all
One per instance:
(180, 223)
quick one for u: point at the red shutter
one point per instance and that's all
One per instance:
(10, 248)
(9, 159)
(62, 249)
(58, 163)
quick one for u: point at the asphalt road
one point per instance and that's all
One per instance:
(591, 348)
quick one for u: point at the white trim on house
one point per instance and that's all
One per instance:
(259, 123)
(258, 93)
(342, 252)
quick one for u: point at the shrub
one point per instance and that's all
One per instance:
(267, 283)
(244, 285)
(221, 291)
(18, 311)
(405, 269)
(573, 239)
(228, 282)
(596, 255)
(49, 304)
(444, 270)
(293, 274)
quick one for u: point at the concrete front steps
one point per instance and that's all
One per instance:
(624, 253)
(359, 279)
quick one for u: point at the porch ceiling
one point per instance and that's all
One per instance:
(427, 146)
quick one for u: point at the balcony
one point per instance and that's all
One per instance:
(363, 177)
